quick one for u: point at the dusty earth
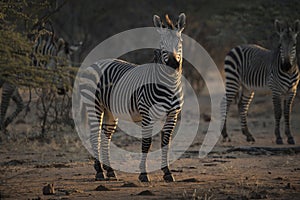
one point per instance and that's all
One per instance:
(28, 163)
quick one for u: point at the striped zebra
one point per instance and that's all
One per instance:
(48, 51)
(250, 67)
(106, 86)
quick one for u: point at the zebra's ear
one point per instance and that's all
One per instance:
(157, 21)
(278, 26)
(181, 22)
(296, 27)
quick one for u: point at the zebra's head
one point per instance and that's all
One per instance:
(287, 43)
(170, 52)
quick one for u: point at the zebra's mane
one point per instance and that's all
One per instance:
(157, 56)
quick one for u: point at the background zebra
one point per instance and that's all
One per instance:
(250, 67)
(106, 85)
(49, 52)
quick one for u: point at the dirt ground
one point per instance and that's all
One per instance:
(28, 164)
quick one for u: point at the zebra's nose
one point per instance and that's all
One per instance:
(286, 65)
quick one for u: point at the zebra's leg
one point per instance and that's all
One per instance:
(7, 92)
(165, 145)
(287, 112)
(95, 117)
(147, 127)
(16, 97)
(108, 128)
(243, 107)
(277, 113)
(232, 89)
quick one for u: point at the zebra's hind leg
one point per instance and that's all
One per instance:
(277, 112)
(147, 127)
(231, 92)
(95, 117)
(243, 107)
(16, 97)
(108, 128)
(224, 117)
(287, 113)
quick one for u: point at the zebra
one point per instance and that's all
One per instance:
(250, 67)
(48, 51)
(106, 77)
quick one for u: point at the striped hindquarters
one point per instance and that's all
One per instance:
(247, 66)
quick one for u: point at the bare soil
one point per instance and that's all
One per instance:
(27, 164)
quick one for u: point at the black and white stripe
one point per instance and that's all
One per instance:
(250, 67)
(114, 88)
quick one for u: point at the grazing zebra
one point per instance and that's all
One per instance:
(250, 67)
(48, 51)
(105, 86)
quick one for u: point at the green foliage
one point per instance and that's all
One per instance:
(18, 19)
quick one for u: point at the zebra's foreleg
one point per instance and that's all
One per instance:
(243, 107)
(287, 113)
(277, 113)
(16, 97)
(108, 128)
(166, 134)
(147, 128)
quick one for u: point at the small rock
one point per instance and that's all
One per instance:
(279, 178)
(146, 193)
(102, 188)
(48, 189)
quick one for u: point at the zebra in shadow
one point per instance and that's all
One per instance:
(48, 52)
(251, 67)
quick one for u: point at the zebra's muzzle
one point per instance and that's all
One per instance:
(286, 66)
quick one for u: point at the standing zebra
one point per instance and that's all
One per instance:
(106, 85)
(250, 67)
(48, 51)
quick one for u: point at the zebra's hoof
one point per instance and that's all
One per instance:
(279, 141)
(169, 178)
(99, 176)
(111, 175)
(250, 138)
(143, 177)
(291, 140)
(226, 139)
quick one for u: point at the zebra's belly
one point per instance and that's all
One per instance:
(258, 88)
